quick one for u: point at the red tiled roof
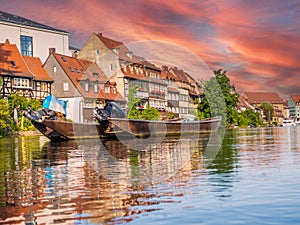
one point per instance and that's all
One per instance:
(296, 99)
(179, 74)
(260, 97)
(83, 70)
(12, 62)
(110, 43)
(36, 67)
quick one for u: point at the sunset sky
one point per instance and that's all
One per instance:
(257, 41)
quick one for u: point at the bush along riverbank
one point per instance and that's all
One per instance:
(12, 121)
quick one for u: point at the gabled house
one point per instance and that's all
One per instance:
(257, 98)
(33, 38)
(294, 107)
(22, 74)
(124, 68)
(82, 84)
(183, 85)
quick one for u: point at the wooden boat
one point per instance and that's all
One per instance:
(109, 124)
(145, 128)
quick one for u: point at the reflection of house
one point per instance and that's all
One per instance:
(22, 74)
(294, 107)
(257, 98)
(32, 38)
(82, 84)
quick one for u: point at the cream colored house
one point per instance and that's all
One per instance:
(33, 38)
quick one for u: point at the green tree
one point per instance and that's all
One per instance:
(149, 114)
(219, 98)
(268, 111)
(133, 111)
(20, 103)
(5, 118)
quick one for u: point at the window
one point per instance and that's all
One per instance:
(66, 86)
(63, 59)
(107, 89)
(77, 70)
(95, 74)
(95, 88)
(21, 83)
(26, 45)
(71, 69)
(13, 63)
(110, 67)
(86, 87)
(97, 52)
(54, 69)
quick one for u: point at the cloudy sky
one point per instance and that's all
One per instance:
(256, 41)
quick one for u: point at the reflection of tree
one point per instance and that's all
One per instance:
(224, 164)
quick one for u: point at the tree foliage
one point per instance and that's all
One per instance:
(134, 113)
(268, 111)
(5, 118)
(132, 103)
(149, 114)
(219, 98)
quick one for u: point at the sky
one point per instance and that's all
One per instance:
(256, 42)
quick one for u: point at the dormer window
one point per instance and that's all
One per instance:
(77, 70)
(129, 54)
(13, 63)
(86, 86)
(71, 69)
(95, 88)
(116, 50)
(63, 59)
(107, 89)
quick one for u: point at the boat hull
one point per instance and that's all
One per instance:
(64, 130)
(117, 127)
(144, 128)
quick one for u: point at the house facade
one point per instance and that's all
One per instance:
(22, 74)
(33, 38)
(257, 98)
(294, 107)
(82, 84)
(167, 89)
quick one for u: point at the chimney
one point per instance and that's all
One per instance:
(51, 50)
(7, 41)
(100, 34)
(74, 54)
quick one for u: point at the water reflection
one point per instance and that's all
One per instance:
(107, 182)
(86, 180)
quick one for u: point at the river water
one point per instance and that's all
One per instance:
(242, 176)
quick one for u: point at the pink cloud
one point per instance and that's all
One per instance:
(255, 42)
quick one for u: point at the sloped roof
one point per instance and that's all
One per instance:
(296, 99)
(36, 67)
(110, 43)
(12, 62)
(21, 21)
(77, 74)
(83, 70)
(260, 97)
(180, 74)
(243, 103)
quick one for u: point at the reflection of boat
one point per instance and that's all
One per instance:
(111, 122)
